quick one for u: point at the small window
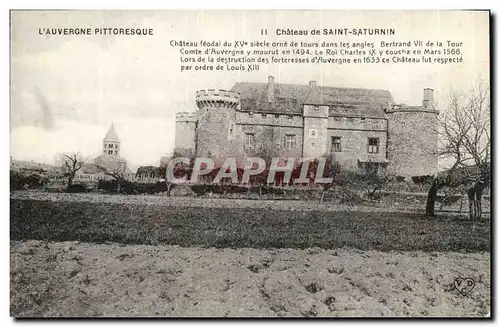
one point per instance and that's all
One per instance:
(290, 117)
(264, 115)
(336, 145)
(362, 119)
(290, 141)
(250, 114)
(337, 118)
(276, 116)
(110, 146)
(249, 140)
(116, 146)
(110, 151)
(373, 145)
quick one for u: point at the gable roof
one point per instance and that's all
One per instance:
(290, 98)
(111, 136)
(314, 97)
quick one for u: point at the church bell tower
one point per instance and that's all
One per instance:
(111, 143)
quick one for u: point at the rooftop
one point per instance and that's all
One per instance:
(111, 136)
(290, 98)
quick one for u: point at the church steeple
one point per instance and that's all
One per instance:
(111, 143)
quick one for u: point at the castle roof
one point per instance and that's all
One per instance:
(111, 136)
(314, 97)
(290, 98)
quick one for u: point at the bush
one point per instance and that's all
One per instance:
(19, 181)
(76, 188)
(426, 179)
(144, 188)
(133, 187)
(108, 186)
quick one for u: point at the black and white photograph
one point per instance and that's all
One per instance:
(250, 164)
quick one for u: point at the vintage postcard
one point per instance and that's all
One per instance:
(305, 163)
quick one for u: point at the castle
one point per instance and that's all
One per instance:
(358, 127)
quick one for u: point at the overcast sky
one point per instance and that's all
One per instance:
(67, 90)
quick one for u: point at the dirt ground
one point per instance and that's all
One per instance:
(81, 279)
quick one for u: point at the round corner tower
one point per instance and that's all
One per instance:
(413, 138)
(217, 135)
(185, 133)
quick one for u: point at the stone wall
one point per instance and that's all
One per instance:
(185, 133)
(413, 142)
(354, 147)
(217, 135)
(315, 131)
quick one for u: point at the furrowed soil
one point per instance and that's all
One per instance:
(118, 256)
(81, 279)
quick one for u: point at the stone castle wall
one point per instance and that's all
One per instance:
(217, 135)
(413, 142)
(185, 133)
(407, 138)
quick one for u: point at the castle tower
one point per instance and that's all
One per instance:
(217, 136)
(315, 123)
(185, 134)
(412, 138)
(111, 143)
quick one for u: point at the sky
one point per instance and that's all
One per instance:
(66, 91)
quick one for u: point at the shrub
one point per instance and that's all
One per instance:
(108, 186)
(426, 179)
(20, 181)
(76, 188)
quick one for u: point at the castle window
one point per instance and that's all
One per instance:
(290, 141)
(362, 119)
(264, 115)
(373, 145)
(249, 140)
(110, 146)
(110, 151)
(290, 117)
(336, 145)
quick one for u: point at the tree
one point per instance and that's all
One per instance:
(373, 178)
(331, 170)
(114, 167)
(147, 172)
(70, 164)
(464, 136)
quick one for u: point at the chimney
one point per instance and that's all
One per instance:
(312, 84)
(270, 89)
(428, 98)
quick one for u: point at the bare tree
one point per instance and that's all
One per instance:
(332, 169)
(373, 180)
(464, 136)
(70, 164)
(114, 167)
